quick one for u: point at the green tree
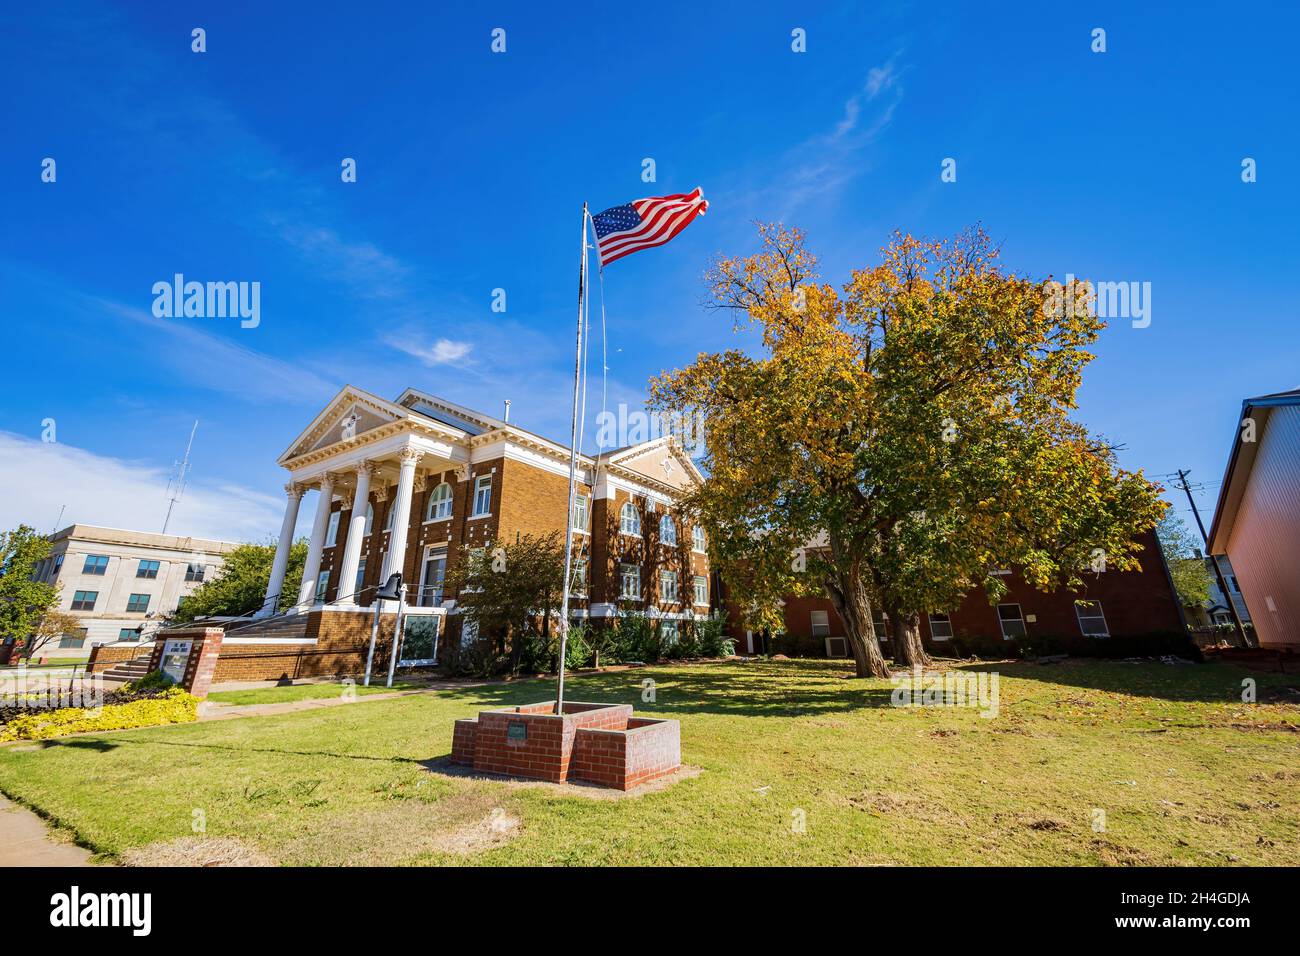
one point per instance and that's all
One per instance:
(509, 591)
(23, 601)
(1190, 575)
(896, 442)
(240, 586)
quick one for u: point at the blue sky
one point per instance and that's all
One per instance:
(472, 168)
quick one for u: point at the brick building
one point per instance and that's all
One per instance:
(1110, 604)
(414, 485)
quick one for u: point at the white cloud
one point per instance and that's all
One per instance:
(439, 353)
(40, 478)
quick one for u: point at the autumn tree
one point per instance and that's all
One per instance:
(894, 442)
(52, 626)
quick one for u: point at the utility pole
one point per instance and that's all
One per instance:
(1218, 571)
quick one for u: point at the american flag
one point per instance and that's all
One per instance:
(623, 230)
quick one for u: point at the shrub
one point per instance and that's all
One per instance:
(638, 639)
(150, 685)
(172, 706)
(576, 650)
(712, 635)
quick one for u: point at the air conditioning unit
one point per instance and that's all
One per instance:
(837, 647)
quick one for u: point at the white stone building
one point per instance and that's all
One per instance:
(122, 584)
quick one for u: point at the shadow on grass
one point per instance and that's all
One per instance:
(791, 688)
(1214, 683)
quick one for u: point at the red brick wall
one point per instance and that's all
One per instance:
(1134, 603)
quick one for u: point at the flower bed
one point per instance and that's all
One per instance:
(171, 706)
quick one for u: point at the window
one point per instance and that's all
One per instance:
(482, 496)
(629, 521)
(580, 517)
(147, 569)
(629, 581)
(1092, 620)
(821, 624)
(75, 639)
(128, 634)
(361, 576)
(667, 531)
(1013, 624)
(435, 574)
(391, 516)
(940, 626)
(370, 518)
(579, 585)
(95, 564)
(194, 572)
(701, 590)
(322, 585)
(84, 600)
(439, 504)
(881, 622)
(58, 564)
(137, 603)
(698, 541)
(332, 529)
(667, 633)
(668, 587)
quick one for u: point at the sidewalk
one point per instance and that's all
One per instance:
(25, 840)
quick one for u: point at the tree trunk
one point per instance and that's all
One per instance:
(849, 595)
(908, 650)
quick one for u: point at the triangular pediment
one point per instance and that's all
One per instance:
(661, 460)
(348, 416)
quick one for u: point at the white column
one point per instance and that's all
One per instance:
(311, 570)
(396, 558)
(356, 531)
(276, 583)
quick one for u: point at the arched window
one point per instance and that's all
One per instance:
(667, 531)
(699, 543)
(370, 518)
(439, 503)
(630, 520)
(392, 514)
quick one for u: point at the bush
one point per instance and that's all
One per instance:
(576, 650)
(638, 639)
(171, 706)
(712, 635)
(1157, 644)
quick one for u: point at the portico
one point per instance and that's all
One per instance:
(361, 451)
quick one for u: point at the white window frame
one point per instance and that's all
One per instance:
(1100, 615)
(322, 585)
(629, 517)
(945, 624)
(668, 531)
(578, 584)
(669, 633)
(820, 619)
(699, 542)
(361, 576)
(664, 591)
(332, 529)
(482, 502)
(581, 513)
(370, 519)
(440, 504)
(1002, 622)
(627, 572)
(701, 587)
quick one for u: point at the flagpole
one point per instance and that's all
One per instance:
(573, 471)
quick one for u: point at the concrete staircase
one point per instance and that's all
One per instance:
(128, 670)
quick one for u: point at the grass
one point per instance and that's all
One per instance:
(320, 691)
(1184, 772)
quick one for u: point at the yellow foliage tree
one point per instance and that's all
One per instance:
(898, 440)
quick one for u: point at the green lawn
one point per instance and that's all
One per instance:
(280, 695)
(1184, 772)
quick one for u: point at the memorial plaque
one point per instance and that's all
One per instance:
(517, 731)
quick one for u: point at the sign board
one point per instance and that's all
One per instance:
(517, 730)
(176, 655)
